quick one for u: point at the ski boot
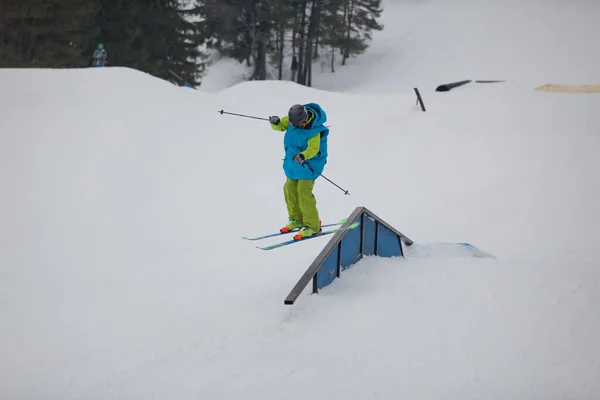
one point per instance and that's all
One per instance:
(291, 226)
(307, 232)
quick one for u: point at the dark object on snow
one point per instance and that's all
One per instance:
(419, 99)
(448, 86)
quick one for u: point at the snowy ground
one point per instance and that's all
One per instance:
(429, 42)
(122, 272)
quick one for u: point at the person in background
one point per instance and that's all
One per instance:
(99, 57)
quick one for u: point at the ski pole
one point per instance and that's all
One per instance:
(326, 178)
(242, 115)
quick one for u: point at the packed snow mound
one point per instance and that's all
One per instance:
(87, 80)
(124, 274)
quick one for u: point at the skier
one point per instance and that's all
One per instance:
(305, 145)
(99, 57)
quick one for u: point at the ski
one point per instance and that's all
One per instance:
(342, 222)
(288, 242)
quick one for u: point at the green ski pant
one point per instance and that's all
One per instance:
(301, 202)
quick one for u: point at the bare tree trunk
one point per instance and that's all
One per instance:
(260, 69)
(348, 10)
(310, 40)
(250, 23)
(281, 37)
(332, 59)
(249, 54)
(317, 33)
(295, 34)
(301, 39)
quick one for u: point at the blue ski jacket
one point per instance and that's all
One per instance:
(296, 140)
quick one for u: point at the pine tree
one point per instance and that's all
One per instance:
(302, 20)
(229, 27)
(119, 24)
(360, 20)
(153, 36)
(45, 33)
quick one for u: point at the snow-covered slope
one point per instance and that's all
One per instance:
(429, 42)
(122, 272)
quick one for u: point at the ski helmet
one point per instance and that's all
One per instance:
(100, 46)
(297, 115)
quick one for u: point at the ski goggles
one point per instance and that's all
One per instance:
(301, 124)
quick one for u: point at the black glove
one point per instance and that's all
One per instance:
(274, 120)
(299, 158)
